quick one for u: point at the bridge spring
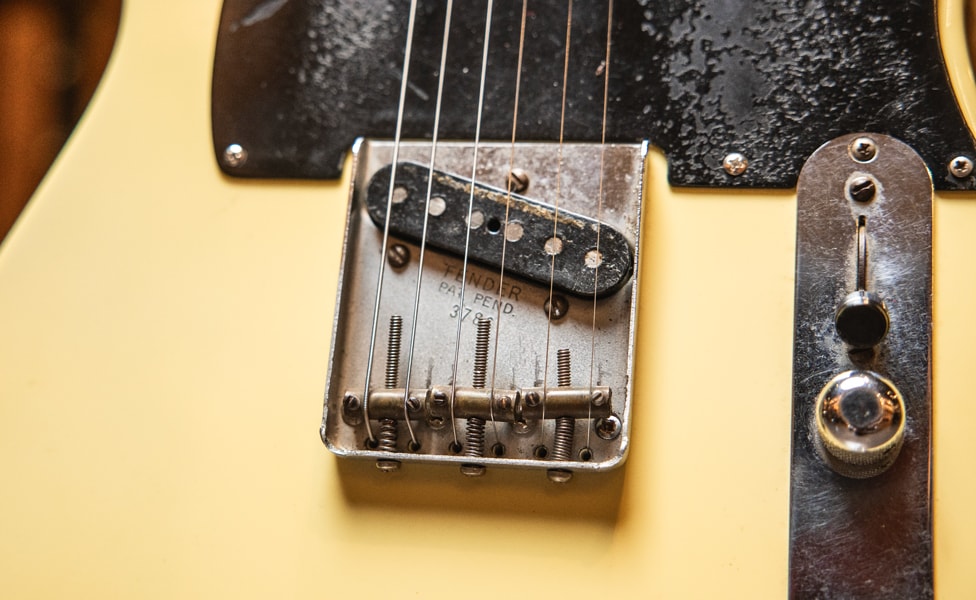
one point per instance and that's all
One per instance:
(387, 437)
(474, 438)
(562, 445)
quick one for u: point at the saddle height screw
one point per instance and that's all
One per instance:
(474, 438)
(562, 446)
(388, 427)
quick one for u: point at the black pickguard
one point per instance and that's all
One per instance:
(297, 81)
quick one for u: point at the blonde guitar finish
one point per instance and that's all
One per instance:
(163, 340)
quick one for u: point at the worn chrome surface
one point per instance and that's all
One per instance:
(862, 538)
(527, 396)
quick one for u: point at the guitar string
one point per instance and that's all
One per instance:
(423, 239)
(467, 238)
(508, 204)
(599, 211)
(389, 208)
(554, 244)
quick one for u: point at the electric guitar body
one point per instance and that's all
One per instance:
(165, 342)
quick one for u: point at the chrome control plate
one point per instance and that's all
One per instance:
(860, 493)
(552, 394)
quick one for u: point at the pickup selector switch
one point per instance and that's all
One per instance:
(862, 318)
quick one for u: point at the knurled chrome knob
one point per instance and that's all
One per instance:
(860, 422)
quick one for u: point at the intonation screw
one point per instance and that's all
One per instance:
(863, 149)
(735, 163)
(518, 181)
(388, 427)
(398, 256)
(562, 445)
(474, 437)
(235, 155)
(961, 167)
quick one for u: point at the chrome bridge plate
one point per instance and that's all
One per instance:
(860, 520)
(528, 407)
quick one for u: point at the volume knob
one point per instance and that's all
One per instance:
(860, 422)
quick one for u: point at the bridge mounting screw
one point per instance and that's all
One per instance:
(735, 163)
(235, 155)
(556, 307)
(350, 403)
(398, 256)
(961, 167)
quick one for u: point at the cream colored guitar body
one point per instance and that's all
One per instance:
(163, 344)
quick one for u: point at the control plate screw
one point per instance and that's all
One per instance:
(863, 149)
(862, 189)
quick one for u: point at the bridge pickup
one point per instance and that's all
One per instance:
(591, 258)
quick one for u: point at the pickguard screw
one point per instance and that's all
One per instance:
(518, 181)
(398, 256)
(735, 163)
(961, 167)
(556, 307)
(608, 428)
(863, 149)
(235, 155)
(862, 189)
